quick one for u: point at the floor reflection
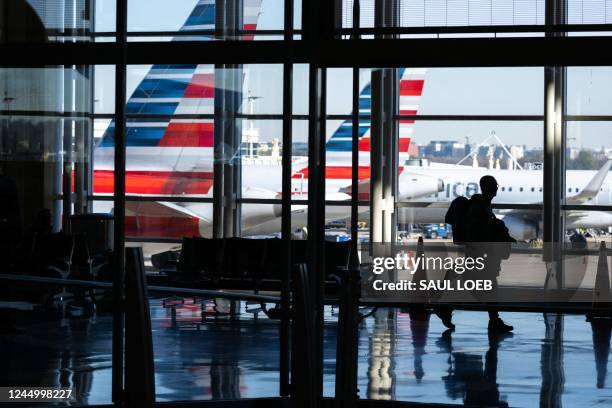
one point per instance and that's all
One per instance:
(414, 358)
(551, 360)
(56, 351)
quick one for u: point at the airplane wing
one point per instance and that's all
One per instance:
(157, 209)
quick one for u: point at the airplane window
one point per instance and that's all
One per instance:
(521, 189)
(540, 189)
(576, 189)
(569, 190)
(532, 189)
(503, 188)
(509, 188)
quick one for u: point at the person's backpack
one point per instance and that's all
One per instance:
(456, 216)
(500, 238)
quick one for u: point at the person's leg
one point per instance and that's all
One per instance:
(496, 324)
(445, 313)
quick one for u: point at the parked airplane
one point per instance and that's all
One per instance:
(167, 156)
(517, 187)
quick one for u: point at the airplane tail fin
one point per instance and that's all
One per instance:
(411, 85)
(591, 189)
(178, 89)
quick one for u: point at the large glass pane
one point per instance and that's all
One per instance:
(174, 220)
(58, 21)
(587, 90)
(587, 153)
(511, 151)
(589, 12)
(261, 158)
(450, 13)
(475, 91)
(54, 334)
(194, 20)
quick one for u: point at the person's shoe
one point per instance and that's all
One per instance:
(446, 316)
(498, 326)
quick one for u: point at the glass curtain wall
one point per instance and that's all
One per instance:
(49, 231)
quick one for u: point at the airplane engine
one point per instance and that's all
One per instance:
(521, 229)
(413, 185)
(255, 214)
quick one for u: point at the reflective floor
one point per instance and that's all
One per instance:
(550, 360)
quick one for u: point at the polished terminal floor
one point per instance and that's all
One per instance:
(550, 360)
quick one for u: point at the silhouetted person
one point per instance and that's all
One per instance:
(488, 235)
(467, 378)
(419, 327)
(602, 329)
(476, 227)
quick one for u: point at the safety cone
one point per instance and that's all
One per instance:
(602, 299)
(420, 274)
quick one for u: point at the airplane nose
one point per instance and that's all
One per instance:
(440, 185)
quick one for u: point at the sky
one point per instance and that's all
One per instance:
(447, 91)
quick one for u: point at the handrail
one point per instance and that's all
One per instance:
(158, 289)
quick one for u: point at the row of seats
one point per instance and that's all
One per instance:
(62, 255)
(250, 262)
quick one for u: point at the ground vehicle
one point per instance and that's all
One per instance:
(437, 231)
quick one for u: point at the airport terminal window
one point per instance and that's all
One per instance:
(189, 20)
(451, 126)
(419, 13)
(47, 128)
(481, 91)
(585, 95)
(504, 148)
(588, 12)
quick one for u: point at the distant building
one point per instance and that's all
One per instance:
(572, 153)
(445, 148)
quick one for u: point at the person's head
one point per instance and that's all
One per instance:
(488, 186)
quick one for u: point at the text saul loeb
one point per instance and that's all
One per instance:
(445, 284)
(411, 264)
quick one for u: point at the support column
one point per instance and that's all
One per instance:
(285, 323)
(82, 133)
(554, 156)
(219, 153)
(69, 123)
(228, 130)
(376, 157)
(316, 219)
(119, 208)
(383, 151)
(390, 143)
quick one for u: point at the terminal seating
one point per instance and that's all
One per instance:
(85, 263)
(244, 263)
(52, 255)
(65, 256)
